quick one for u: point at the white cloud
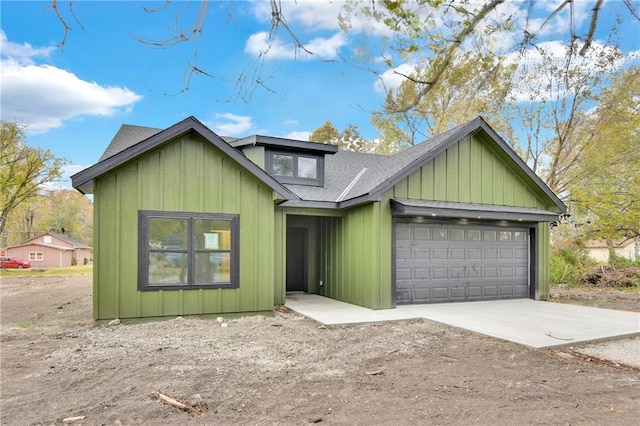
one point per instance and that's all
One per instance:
(291, 122)
(227, 124)
(44, 96)
(393, 78)
(260, 45)
(298, 135)
(23, 53)
(310, 14)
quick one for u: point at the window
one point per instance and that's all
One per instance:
(36, 257)
(187, 250)
(299, 168)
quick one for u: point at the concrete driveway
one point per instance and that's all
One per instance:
(526, 322)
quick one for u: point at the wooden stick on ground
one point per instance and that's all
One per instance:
(171, 401)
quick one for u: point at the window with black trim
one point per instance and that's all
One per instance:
(178, 250)
(293, 167)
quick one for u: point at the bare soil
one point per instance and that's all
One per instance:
(58, 364)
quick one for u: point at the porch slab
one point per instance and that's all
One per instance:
(523, 321)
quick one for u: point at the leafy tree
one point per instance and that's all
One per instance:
(472, 87)
(326, 133)
(438, 31)
(435, 34)
(23, 171)
(63, 211)
(69, 213)
(604, 186)
(553, 100)
(349, 140)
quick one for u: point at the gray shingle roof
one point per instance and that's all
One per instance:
(127, 135)
(350, 177)
(392, 165)
(340, 170)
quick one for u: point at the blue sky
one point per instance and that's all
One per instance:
(74, 100)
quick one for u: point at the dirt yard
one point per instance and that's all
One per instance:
(60, 367)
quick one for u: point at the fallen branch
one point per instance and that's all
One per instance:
(181, 405)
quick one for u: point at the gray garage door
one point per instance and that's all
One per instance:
(450, 263)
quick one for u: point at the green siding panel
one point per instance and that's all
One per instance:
(279, 266)
(187, 174)
(464, 181)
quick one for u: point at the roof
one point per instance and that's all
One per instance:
(270, 141)
(75, 244)
(350, 178)
(127, 135)
(603, 243)
(124, 148)
(363, 179)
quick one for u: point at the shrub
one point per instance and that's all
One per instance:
(74, 261)
(85, 261)
(569, 266)
(618, 262)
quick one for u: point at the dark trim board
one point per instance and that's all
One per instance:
(471, 211)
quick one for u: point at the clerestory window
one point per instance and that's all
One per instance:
(297, 168)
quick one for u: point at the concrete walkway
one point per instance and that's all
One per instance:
(526, 322)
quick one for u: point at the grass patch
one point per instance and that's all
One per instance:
(29, 325)
(48, 272)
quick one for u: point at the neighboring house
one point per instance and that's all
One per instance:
(598, 249)
(186, 222)
(51, 250)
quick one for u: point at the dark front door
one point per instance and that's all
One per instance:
(297, 259)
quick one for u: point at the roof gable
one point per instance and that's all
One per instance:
(83, 181)
(387, 173)
(65, 240)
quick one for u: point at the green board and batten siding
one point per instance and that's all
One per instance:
(188, 174)
(358, 247)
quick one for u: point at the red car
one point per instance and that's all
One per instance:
(12, 262)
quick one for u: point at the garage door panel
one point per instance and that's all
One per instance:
(447, 263)
(475, 292)
(440, 254)
(440, 293)
(490, 273)
(521, 254)
(457, 253)
(420, 253)
(521, 272)
(423, 294)
(421, 234)
(421, 273)
(506, 272)
(506, 253)
(474, 253)
(474, 272)
(506, 290)
(457, 273)
(439, 273)
(457, 292)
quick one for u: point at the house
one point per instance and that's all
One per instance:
(51, 250)
(186, 222)
(599, 250)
